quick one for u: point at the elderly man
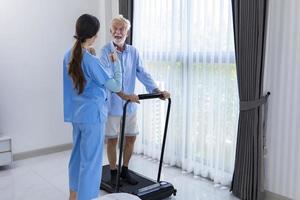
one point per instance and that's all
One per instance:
(132, 68)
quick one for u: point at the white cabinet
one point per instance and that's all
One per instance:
(5, 151)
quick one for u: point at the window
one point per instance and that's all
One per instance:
(188, 47)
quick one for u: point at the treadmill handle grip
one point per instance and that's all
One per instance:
(149, 96)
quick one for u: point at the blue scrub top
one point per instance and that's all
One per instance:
(132, 68)
(90, 106)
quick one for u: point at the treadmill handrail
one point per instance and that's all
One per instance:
(149, 96)
(142, 97)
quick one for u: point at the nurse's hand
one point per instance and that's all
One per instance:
(92, 50)
(113, 56)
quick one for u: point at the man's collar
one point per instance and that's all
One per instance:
(113, 46)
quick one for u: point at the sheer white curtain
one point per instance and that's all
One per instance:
(187, 46)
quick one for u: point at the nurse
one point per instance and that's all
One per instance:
(85, 83)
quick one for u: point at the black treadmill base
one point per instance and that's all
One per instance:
(165, 190)
(146, 189)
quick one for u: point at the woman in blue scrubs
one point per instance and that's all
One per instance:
(85, 84)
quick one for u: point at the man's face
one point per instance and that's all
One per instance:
(119, 33)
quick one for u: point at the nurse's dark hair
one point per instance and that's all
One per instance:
(87, 26)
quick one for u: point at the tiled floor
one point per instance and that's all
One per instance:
(45, 178)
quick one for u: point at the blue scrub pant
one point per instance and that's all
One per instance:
(85, 166)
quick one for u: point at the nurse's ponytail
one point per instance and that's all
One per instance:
(75, 70)
(87, 26)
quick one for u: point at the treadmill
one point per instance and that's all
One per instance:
(146, 189)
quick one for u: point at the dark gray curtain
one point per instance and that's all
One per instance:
(249, 19)
(126, 9)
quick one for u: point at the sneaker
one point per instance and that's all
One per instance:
(125, 175)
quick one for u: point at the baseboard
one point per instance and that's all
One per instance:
(272, 196)
(42, 151)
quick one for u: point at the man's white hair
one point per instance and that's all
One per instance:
(121, 19)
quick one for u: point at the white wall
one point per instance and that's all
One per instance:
(111, 10)
(282, 79)
(34, 36)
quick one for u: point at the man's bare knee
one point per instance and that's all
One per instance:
(112, 142)
(130, 140)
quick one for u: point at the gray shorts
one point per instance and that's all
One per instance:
(113, 126)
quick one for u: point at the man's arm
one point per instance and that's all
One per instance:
(143, 76)
(147, 80)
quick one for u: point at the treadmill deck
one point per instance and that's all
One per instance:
(132, 189)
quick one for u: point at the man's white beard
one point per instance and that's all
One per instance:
(119, 41)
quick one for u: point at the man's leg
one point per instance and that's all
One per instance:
(72, 195)
(111, 133)
(128, 149)
(112, 153)
(131, 130)
(112, 159)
